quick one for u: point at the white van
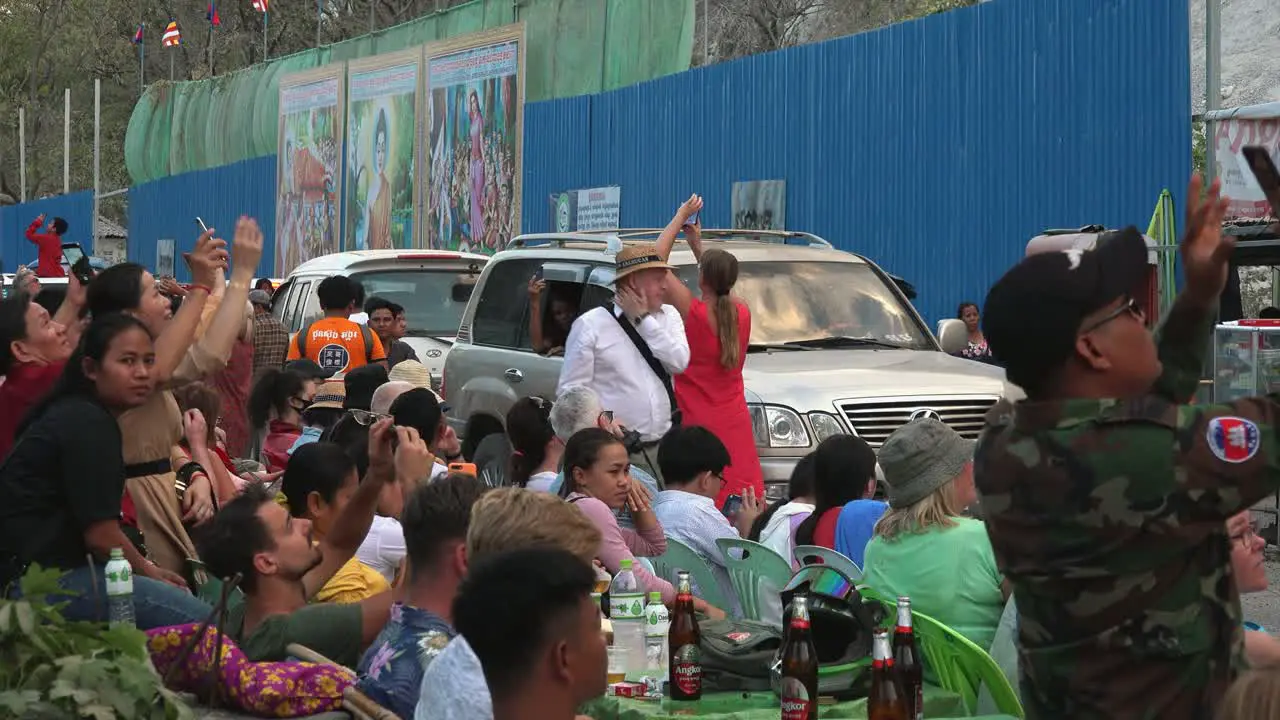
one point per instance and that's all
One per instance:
(432, 285)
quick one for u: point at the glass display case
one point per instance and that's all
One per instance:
(1246, 359)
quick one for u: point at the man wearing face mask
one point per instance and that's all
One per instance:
(627, 352)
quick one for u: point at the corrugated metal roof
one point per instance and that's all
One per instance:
(937, 148)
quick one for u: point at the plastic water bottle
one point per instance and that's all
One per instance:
(119, 576)
(626, 611)
(657, 623)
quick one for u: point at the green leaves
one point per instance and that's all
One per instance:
(54, 668)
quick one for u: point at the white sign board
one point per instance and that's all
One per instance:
(1238, 183)
(592, 209)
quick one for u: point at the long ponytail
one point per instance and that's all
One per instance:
(720, 273)
(529, 430)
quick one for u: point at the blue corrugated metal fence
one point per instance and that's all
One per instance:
(167, 209)
(937, 148)
(75, 208)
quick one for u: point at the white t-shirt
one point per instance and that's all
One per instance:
(542, 481)
(383, 548)
(360, 317)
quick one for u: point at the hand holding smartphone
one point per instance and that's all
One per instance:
(732, 505)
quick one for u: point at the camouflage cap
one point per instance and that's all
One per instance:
(920, 457)
(1032, 314)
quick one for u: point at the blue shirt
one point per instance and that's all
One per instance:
(392, 668)
(623, 515)
(855, 526)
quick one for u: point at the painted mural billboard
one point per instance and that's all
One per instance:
(382, 152)
(308, 167)
(475, 120)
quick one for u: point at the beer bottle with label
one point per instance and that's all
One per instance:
(885, 701)
(906, 660)
(799, 666)
(685, 645)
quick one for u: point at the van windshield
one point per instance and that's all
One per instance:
(430, 309)
(815, 303)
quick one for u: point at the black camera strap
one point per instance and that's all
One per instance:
(654, 364)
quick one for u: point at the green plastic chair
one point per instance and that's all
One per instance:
(748, 564)
(818, 555)
(958, 664)
(681, 557)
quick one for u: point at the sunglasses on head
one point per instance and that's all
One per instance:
(364, 417)
(820, 580)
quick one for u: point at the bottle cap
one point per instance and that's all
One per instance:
(117, 553)
(655, 597)
(624, 564)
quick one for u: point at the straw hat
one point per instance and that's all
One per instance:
(634, 258)
(414, 373)
(330, 394)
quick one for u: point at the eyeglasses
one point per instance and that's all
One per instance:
(364, 417)
(1130, 306)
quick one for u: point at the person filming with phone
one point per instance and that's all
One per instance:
(49, 243)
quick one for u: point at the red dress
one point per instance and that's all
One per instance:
(713, 397)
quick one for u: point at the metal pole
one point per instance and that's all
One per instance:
(210, 49)
(22, 153)
(142, 67)
(66, 141)
(97, 155)
(1212, 81)
(706, 23)
(319, 14)
(170, 64)
(264, 35)
(372, 5)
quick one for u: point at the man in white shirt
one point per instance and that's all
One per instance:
(693, 461)
(606, 351)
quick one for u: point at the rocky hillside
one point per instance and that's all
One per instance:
(1250, 53)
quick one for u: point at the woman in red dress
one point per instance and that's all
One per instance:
(710, 391)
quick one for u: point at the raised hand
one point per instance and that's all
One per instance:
(632, 303)
(688, 209)
(204, 261)
(1206, 252)
(246, 247)
(413, 460)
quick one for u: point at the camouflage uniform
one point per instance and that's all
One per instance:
(1108, 516)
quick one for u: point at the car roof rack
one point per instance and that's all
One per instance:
(777, 237)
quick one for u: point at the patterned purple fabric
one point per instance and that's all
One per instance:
(266, 689)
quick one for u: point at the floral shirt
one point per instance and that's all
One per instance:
(391, 669)
(977, 351)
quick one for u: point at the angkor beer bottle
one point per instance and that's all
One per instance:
(685, 645)
(799, 666)
(886, 701)
(906, 660)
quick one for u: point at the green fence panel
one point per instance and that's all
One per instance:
(572, 47)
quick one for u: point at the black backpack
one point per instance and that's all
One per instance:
(737, 654)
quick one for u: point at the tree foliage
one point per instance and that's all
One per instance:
(54, 668)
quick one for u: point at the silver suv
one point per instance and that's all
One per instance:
(836, 347)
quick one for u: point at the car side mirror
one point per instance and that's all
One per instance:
(953, 336)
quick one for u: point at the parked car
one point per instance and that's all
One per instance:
(432, 285)
(835, 345)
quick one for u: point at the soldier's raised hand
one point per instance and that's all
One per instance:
(1206, 252)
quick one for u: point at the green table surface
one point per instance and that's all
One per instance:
(938, 704)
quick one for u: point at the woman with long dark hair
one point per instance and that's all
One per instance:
(535, 449)
(844, 470)
(64, 479)
(192, 344)
(277, 402)
(710, 391)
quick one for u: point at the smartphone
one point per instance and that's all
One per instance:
(694, 219)
(1264, 170)
(464, 468)
(538, 274)
(72, 252)
(732, 505)
(82, 270)
(203, 228)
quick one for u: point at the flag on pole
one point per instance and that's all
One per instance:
(137, 35)
(172, 35)
(212, 15)
(260, 5)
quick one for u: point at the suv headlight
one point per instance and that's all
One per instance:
(824, 425)
(775, 426)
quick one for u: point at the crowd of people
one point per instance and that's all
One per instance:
(1107, 538)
